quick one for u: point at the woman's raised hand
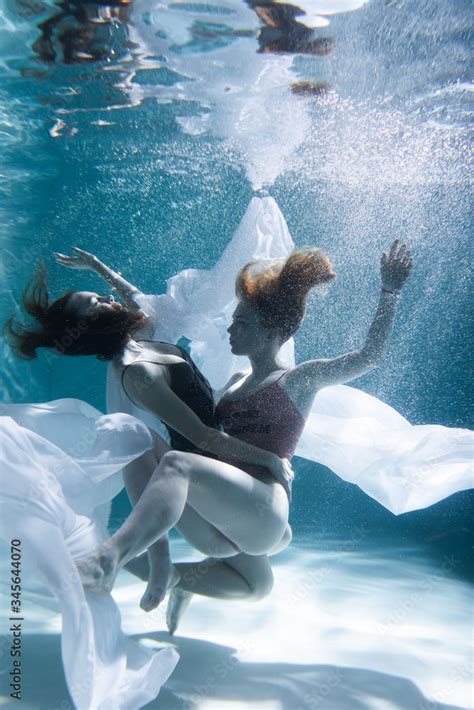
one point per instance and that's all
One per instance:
(281, 470)
(80, 260)
(395, 268)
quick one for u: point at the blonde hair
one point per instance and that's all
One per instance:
(279, 291)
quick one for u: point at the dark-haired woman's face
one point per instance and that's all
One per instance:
(84, 304)
(246, 331)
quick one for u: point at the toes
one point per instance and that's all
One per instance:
(177, 605)
(144, 604)
(171, 623)
(151, 600)
(150, 604)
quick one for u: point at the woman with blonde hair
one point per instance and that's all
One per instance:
(266, 408)
(233, 507)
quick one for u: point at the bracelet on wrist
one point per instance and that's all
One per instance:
(394, 293)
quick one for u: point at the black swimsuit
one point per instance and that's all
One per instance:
(192, 388)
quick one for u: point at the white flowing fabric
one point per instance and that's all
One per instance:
(358, 437)
(60, 461)
(199, 304)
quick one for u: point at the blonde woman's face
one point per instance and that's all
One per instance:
(246, 331)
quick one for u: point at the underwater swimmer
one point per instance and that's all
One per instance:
(269, 405)
(161, 379)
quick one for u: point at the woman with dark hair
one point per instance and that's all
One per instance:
(85, 323)
(234, 506)
(77, 323)
(265, 408)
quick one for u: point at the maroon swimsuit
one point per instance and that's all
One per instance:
(267, 419)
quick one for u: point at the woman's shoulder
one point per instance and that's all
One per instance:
(236, 377)
(141, 361)
(232, 381)
(159, 353)
(142, 378)
(297, 386)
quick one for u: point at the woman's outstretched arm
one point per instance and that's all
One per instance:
(89, 262)
(315, 374)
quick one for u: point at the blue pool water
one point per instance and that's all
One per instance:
(141, 136)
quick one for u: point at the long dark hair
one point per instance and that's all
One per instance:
(279, 292)
(102, 334)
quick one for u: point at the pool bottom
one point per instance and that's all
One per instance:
(363, 627)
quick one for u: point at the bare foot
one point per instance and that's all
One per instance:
(98, 570)
(162, 577)
(177, 604)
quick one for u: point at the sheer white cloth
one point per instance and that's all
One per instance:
(62, 462)
(361, 439)
(61, 465)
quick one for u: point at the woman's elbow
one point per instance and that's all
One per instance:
(372, 359)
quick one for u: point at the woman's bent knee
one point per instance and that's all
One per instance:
(262, 588)
(175, 461)
(257, 573)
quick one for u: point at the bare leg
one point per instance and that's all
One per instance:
(199, 533)
(203, 536)
(283, 543)
(155, 566)
(211, 578)
(249, 512)
(207, 539)
(240, 577)
(162, 574)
